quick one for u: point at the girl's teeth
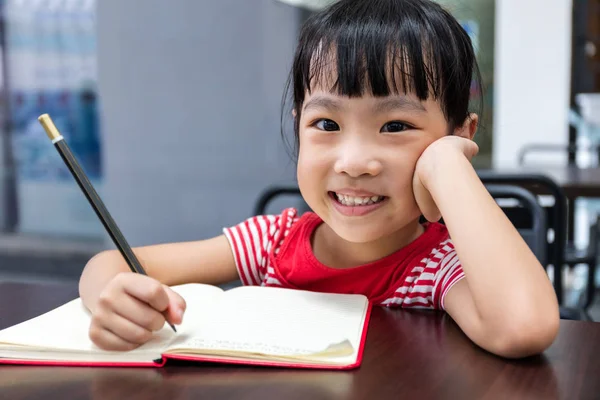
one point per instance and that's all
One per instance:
(357, 201)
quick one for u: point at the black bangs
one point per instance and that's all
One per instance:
(354, 50)
(385, 47)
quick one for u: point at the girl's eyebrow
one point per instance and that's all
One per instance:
(388, 104)
(320, 102)
(399, 103)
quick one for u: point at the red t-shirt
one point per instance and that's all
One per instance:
(275, 250)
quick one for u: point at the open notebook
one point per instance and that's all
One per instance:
(245, 325)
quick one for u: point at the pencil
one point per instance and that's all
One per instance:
(90, 193)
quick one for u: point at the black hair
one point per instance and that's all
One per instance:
(385, 46)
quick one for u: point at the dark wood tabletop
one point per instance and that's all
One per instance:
(575, 182)
(408, 354)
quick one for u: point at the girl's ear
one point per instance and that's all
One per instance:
(294, 113)
(469, 128)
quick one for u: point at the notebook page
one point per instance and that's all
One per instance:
(202, 301)
(277, 321)
(64, 330)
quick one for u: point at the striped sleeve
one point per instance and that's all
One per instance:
(449, 273)
(253, 239)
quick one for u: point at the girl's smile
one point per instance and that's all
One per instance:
(357, 203)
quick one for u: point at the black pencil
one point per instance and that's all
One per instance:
(90, 193)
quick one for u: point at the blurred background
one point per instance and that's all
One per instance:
(174, 110)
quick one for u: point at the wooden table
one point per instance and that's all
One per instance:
(408, 355)
(575, 182)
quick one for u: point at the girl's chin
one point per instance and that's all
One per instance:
(364, 232)
(357, 235)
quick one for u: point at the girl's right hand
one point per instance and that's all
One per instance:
(130, 307)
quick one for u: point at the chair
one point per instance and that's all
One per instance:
(503, 191)
(560, 251)
(272, 192)
(529, 213)
(584, 122)
(528, 216)
(589, 257)
(545, 148)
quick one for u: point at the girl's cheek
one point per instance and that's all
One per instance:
(315, 157)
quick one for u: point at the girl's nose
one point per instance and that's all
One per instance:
(357, 159)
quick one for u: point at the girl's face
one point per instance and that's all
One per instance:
(357, 159)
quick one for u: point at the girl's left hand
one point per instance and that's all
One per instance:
(440, 154)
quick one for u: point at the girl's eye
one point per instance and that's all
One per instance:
(327, 125)
(395, 126)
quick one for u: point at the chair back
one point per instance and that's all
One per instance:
(556, 215)
(526, 214)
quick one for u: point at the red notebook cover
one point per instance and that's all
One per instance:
(210, 359)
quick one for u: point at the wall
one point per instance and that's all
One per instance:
(532, 76)
(478, 17)
(190, 92)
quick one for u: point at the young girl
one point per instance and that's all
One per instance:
(380, 93)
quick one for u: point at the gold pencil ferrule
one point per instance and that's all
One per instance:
(49, 127)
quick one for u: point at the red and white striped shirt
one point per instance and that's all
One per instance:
(275, 250)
